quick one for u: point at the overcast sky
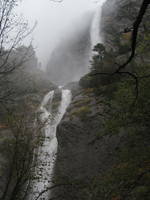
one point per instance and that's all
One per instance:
(53, 20)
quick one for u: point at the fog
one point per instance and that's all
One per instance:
(54, 21)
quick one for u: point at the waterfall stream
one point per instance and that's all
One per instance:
(96, 26)
(47, 151)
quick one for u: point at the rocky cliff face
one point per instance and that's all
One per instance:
(92, 165)
(83, 151)
(117, 18)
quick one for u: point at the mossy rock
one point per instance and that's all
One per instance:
(81, 102)
(85, 81)
(80, 112)
(126, 36)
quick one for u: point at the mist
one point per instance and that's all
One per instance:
(54, 21)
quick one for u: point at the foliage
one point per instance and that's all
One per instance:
(18, 148)
(124, 114)
(103, 63)
(127, 115)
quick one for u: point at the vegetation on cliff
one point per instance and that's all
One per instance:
(126, 111)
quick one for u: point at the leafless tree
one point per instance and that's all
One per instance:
(13, 30)
(24, 147)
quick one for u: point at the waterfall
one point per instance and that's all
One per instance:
(47, 151)
(48, 97)
(96, 26)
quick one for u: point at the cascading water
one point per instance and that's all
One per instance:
(96, 26)
(47, 151)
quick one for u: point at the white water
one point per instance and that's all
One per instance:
(95, 29)
(96, 26)
(47, 152)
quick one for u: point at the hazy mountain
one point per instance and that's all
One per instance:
(70, 59)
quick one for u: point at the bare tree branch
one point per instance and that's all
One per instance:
(136, 26)
(50, 188)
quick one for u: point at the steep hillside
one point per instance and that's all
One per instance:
(103, 138)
